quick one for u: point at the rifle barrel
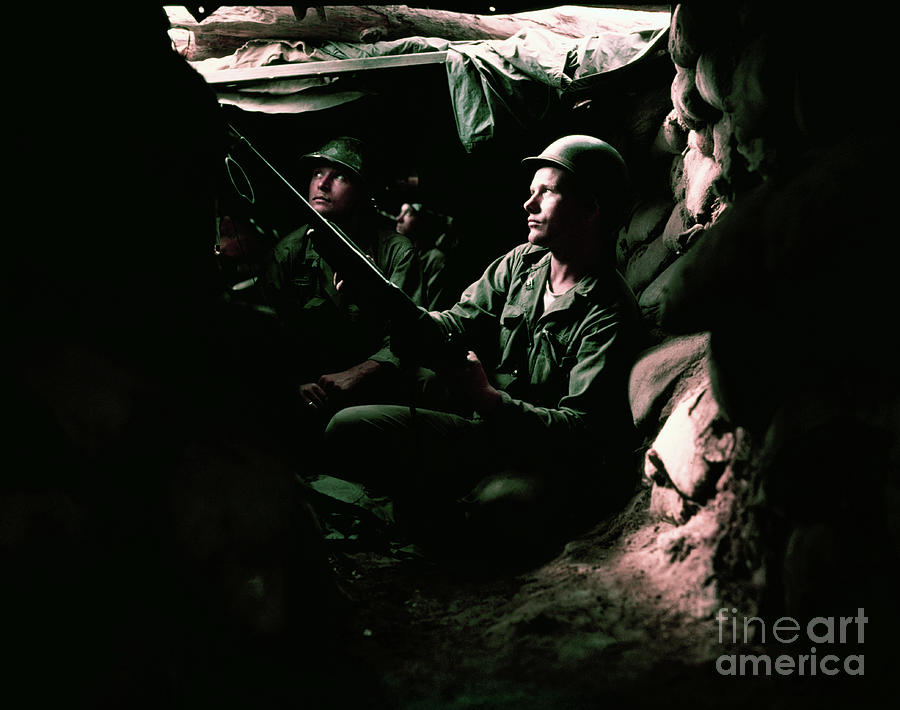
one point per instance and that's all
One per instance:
(347, 256)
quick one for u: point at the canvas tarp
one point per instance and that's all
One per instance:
(520, 77)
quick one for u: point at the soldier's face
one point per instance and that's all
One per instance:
(407, 220)
(333, 193)
(554, 213)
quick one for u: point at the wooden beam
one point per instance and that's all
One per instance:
(229, 28)
(320, 68)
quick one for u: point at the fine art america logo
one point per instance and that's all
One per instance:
(822, 645)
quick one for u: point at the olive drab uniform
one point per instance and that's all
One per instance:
(558, 443)
(562, 372)
(332, 330)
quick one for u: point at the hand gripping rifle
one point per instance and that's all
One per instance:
(346, 258)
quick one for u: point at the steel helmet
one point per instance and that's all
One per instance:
(594, 162)
(597, 167)
(347, 152)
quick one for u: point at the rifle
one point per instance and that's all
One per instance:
(408, 319)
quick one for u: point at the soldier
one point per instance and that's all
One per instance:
(538, 422)
(341, 352)
(428, 231)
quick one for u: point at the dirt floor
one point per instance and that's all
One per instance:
(621, 616)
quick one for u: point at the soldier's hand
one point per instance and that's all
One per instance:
(344, 382)
(474, 385)
(313, 396)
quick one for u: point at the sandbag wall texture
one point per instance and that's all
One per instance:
(775, 201)
(744, 100)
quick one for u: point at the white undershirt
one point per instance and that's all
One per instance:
(550, 296)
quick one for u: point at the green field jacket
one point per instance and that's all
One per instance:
(341, 326)
(562, 373)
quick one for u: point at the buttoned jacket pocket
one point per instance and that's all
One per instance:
(511, 322)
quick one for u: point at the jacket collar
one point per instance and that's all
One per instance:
(537, 262)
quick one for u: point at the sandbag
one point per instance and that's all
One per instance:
(646, 223)
(647, 263)
(713, 76)
(672, 135)
(660, 374)
(684, 37)
(692, 111)
(700, 175)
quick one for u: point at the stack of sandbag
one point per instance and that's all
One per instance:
(776, 186)
(662, 227)
(735, 117)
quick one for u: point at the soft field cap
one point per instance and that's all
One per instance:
(349, 153)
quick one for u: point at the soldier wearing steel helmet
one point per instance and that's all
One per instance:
(341, 352)
(537, 424)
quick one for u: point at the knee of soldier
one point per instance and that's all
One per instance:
(346, 425)
(362, 423)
